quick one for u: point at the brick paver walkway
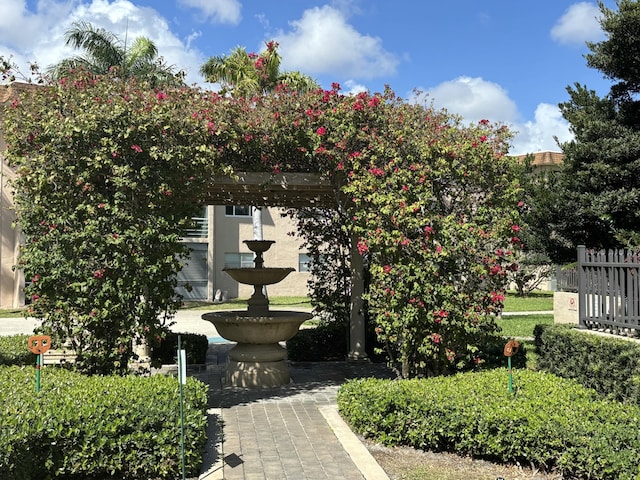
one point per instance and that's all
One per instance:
(281, 433)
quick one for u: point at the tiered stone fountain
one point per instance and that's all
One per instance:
(258, 359)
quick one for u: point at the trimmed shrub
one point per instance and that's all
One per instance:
(92, 428)
(609, 365)
(328, 341)
(14, 351)
(194, 344)
(553, 423)
(325, 342)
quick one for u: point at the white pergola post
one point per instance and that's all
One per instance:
(357, 320)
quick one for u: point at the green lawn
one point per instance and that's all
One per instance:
(522, 325)
(241, 303)
(538, 302)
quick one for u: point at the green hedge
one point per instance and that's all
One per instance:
(194, 344)
(330, 341)
(92, 428)
(550, 422)
(609, 365)
(14, 350)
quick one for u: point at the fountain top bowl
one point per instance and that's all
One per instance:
(259, 246)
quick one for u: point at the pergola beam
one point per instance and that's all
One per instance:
(293, 190)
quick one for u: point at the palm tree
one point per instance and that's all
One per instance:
(104, 51)
(243, 74)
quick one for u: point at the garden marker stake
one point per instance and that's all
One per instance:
(39, 344)
(510, 349)
(182, 379)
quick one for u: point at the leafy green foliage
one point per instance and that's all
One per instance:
(14, 351)
(97, 427)
(327, 341)
(439, 239)
(108, 173)
(609, 365)
(109, 176)
(553, 423)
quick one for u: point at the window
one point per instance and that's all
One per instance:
(303, 262)
(201, 225)
(237, 211)
(238, 260)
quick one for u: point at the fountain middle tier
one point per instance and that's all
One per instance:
(258, 276)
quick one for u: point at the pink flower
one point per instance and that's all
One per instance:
(515, 228)
(321, 131)
(362, 247)
(98, 273)
(161, 95)
(497, 297)
(438, 248)
(387, 268)
(376, 171)
(35, 297)
(136, 148)
(435, 337)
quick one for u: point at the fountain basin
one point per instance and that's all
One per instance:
(258, 276)
(258, 360)
(242, 327)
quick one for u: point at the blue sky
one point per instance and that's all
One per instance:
(505, 60)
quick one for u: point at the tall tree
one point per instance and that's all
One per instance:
(104, 51)
(596, 196)
(244, 74)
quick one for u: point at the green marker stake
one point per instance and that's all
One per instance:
(38, 365)
(510, 375)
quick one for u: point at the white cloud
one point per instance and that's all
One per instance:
(322, 42)
(475, 99)
(353, 88)
(578, 25)
(44, 42)
(217, 11)
(538, 135)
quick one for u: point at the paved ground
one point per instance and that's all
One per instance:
(292, 432)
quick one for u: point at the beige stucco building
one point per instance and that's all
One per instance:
(218, 243)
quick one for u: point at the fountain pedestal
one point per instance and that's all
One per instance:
(258, 359)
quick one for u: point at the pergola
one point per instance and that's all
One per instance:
(297, 190)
